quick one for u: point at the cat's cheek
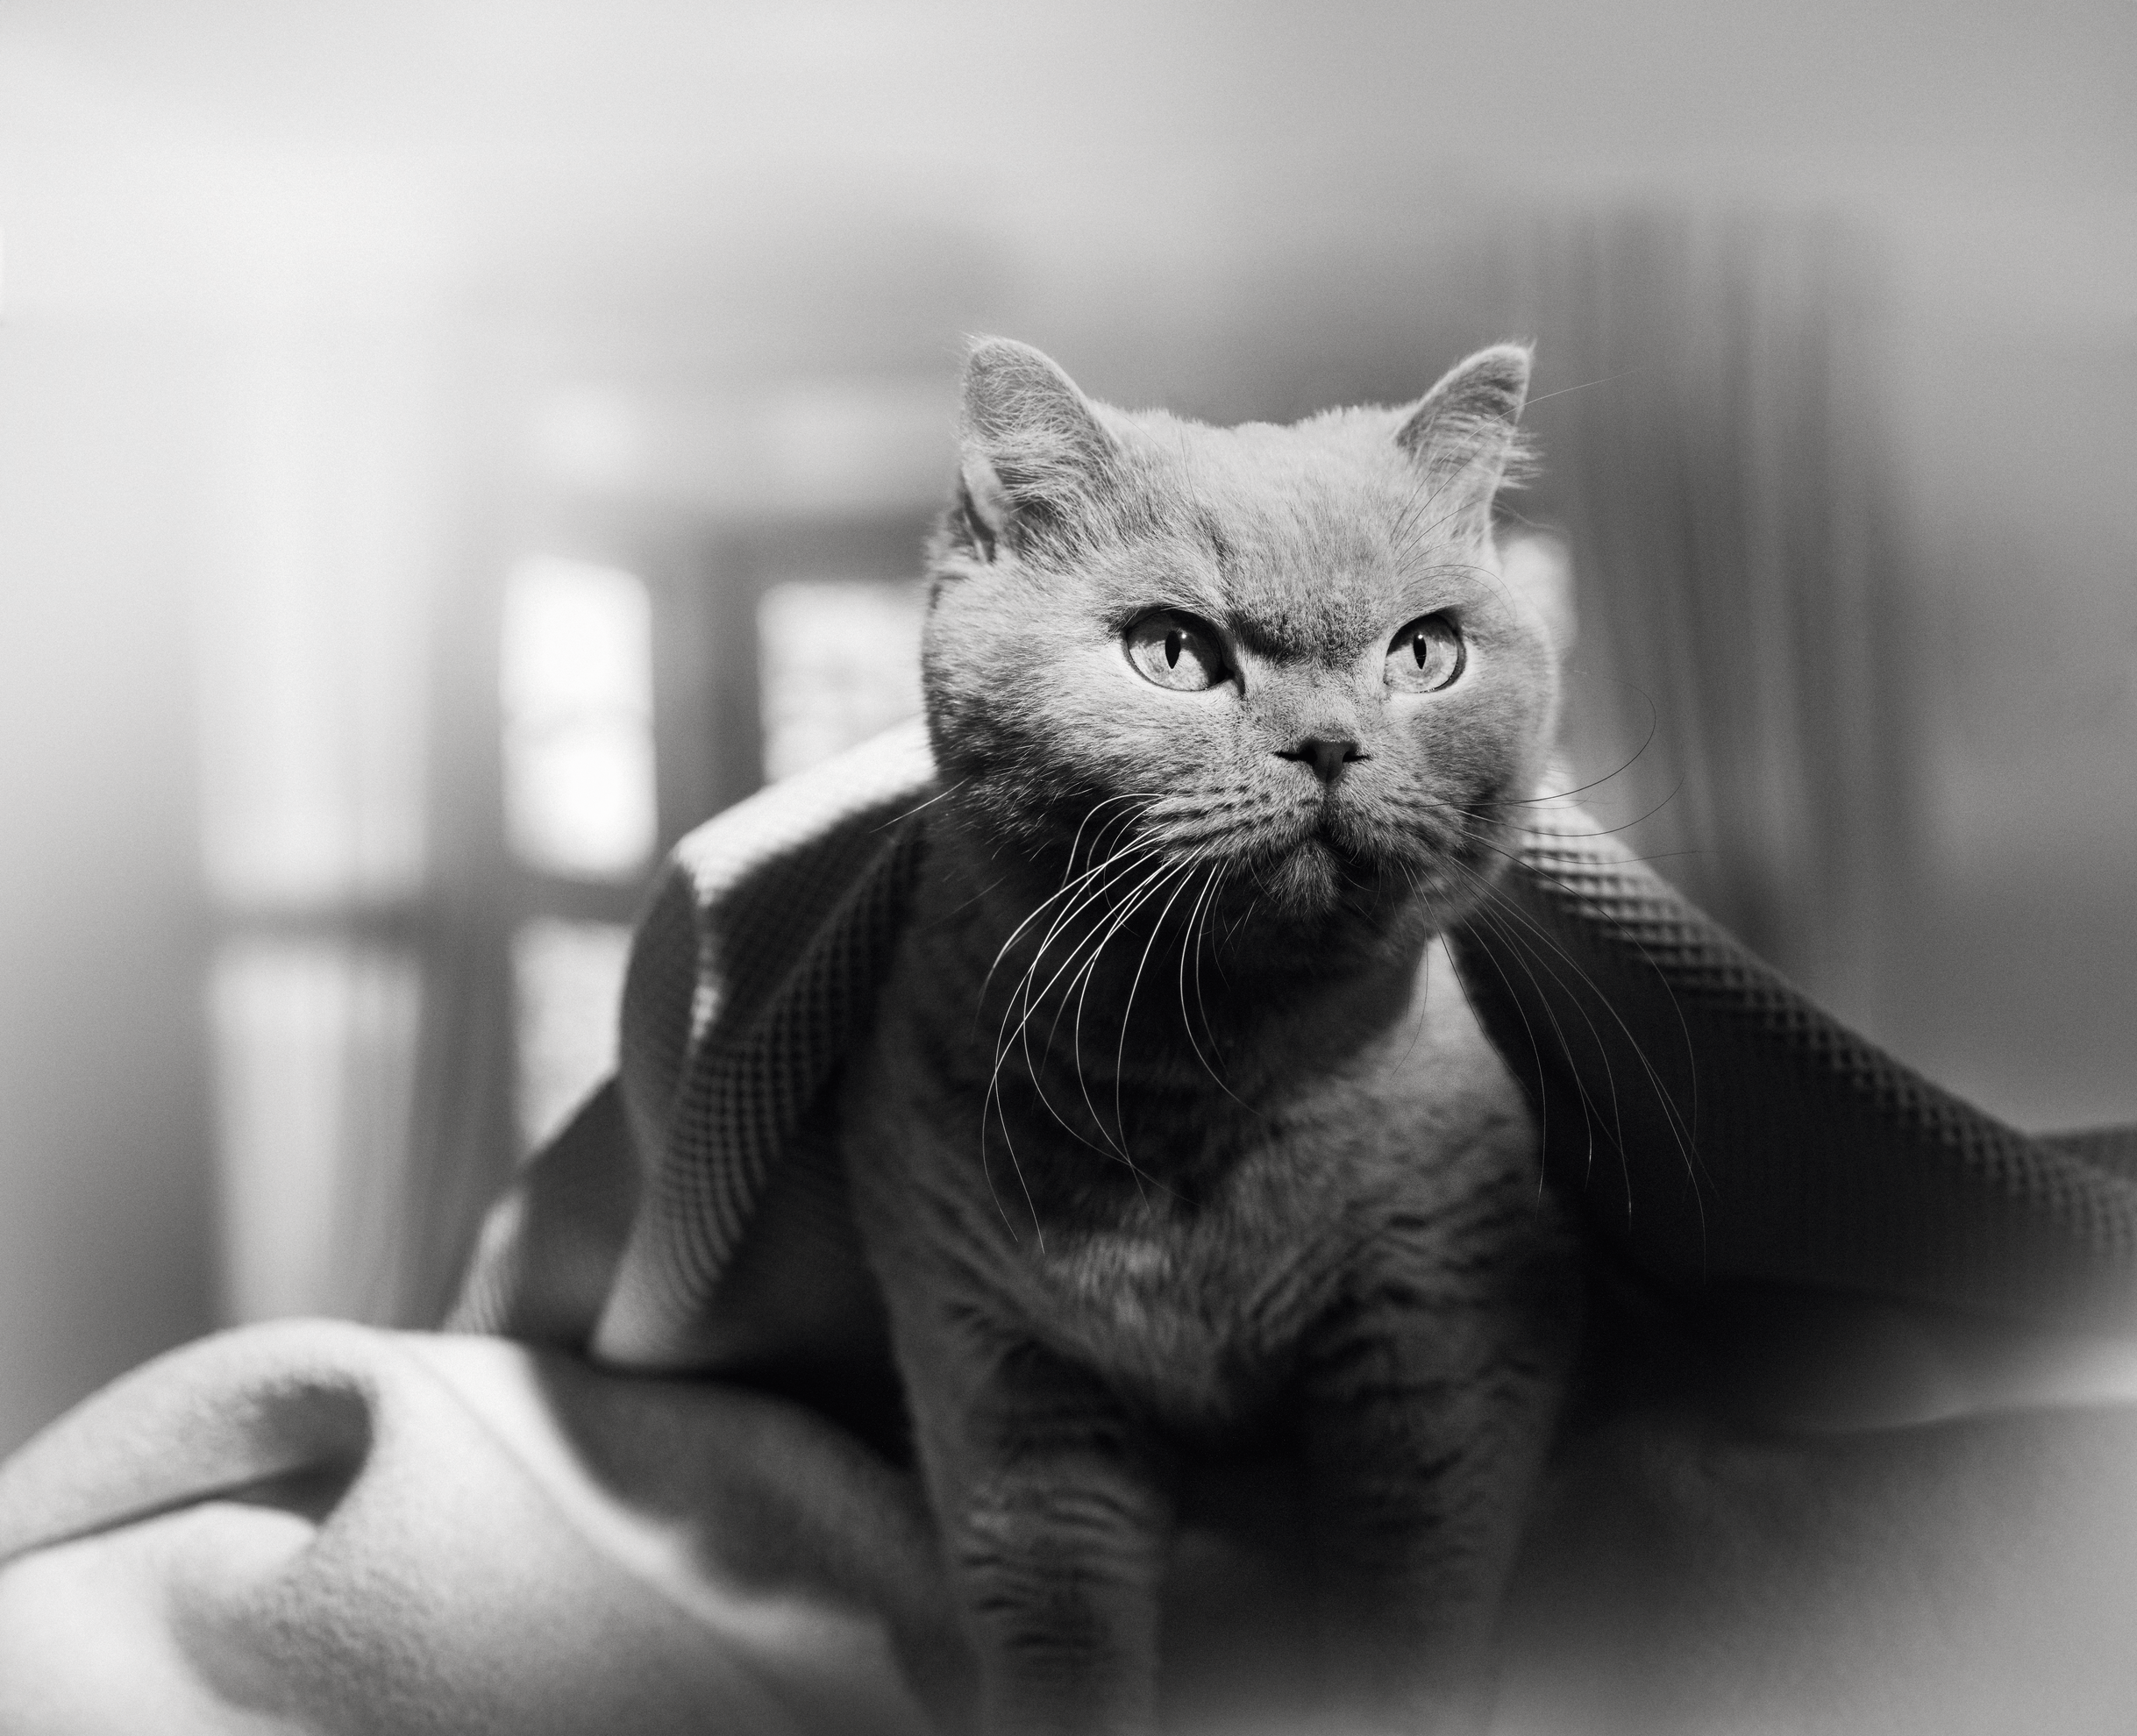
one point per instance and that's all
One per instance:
(1502, 714)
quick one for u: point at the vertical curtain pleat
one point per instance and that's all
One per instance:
(313, 654)
(1718, 469)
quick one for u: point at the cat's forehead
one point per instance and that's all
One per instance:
(1302, 535)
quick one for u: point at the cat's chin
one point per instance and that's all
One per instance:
(1307, 880)
(1325, 893)
(1317, 887)
(1325, 870)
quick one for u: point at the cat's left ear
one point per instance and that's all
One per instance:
(1465, 434)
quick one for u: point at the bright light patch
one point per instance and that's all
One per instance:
(576, 686)
(567, 982)
(839, 662)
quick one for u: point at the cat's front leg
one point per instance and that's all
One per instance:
(1425, 1432)
(1056, 1514)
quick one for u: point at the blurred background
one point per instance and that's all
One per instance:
(448, 449)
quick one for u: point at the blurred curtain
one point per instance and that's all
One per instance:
(314, 656)
(1713, 439)
(461, 1136)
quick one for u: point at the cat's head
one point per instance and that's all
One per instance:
(1287, 651)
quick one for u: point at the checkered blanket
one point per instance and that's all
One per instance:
(1716, 1126)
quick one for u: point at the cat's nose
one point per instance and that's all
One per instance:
(1328, 755)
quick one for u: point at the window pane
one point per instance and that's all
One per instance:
(576, 686)
(839, 661)
(567, 979)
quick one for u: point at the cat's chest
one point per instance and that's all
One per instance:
(1200, 1307)
(1195, 1308)
(1188, 1284)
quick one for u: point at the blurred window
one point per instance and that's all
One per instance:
(576, 683)
(575, 690)
(568, 991)
(639, 658)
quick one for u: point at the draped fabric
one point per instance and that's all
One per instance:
(1715, 1124)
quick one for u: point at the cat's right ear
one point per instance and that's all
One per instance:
(1031, 448)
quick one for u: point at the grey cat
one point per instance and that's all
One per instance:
(1176, 1126)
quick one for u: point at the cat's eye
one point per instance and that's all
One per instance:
(1175, 651)
(1426, 656)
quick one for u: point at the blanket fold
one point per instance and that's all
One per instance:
(313, 1525)
(316, 1527)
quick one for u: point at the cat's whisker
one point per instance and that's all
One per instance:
(1201, 928)
(1525, 952)
(1077, 890)
(1039, 1230)
(1153, 880)
(1078, 987)
(1587, 1107)
(1091, 889)
(1122, 798)
(1543, 1107)
(1020, 995)
(1632, 760)
(1223, 873)
(1101, 936)
(1409, 534)
(1191, 941)
(1038, 910)
(1676, 790)
(1682, 1132)
(939, 795)
(1417, 1030)
(1087, 976)
(1071, 880)
(1122, 864)
(1179, 882)
(1119, 1151)
(1120, 1058)
(1683, 1129)
(1068, 891)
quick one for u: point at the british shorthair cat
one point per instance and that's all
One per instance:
(1175, 1126)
